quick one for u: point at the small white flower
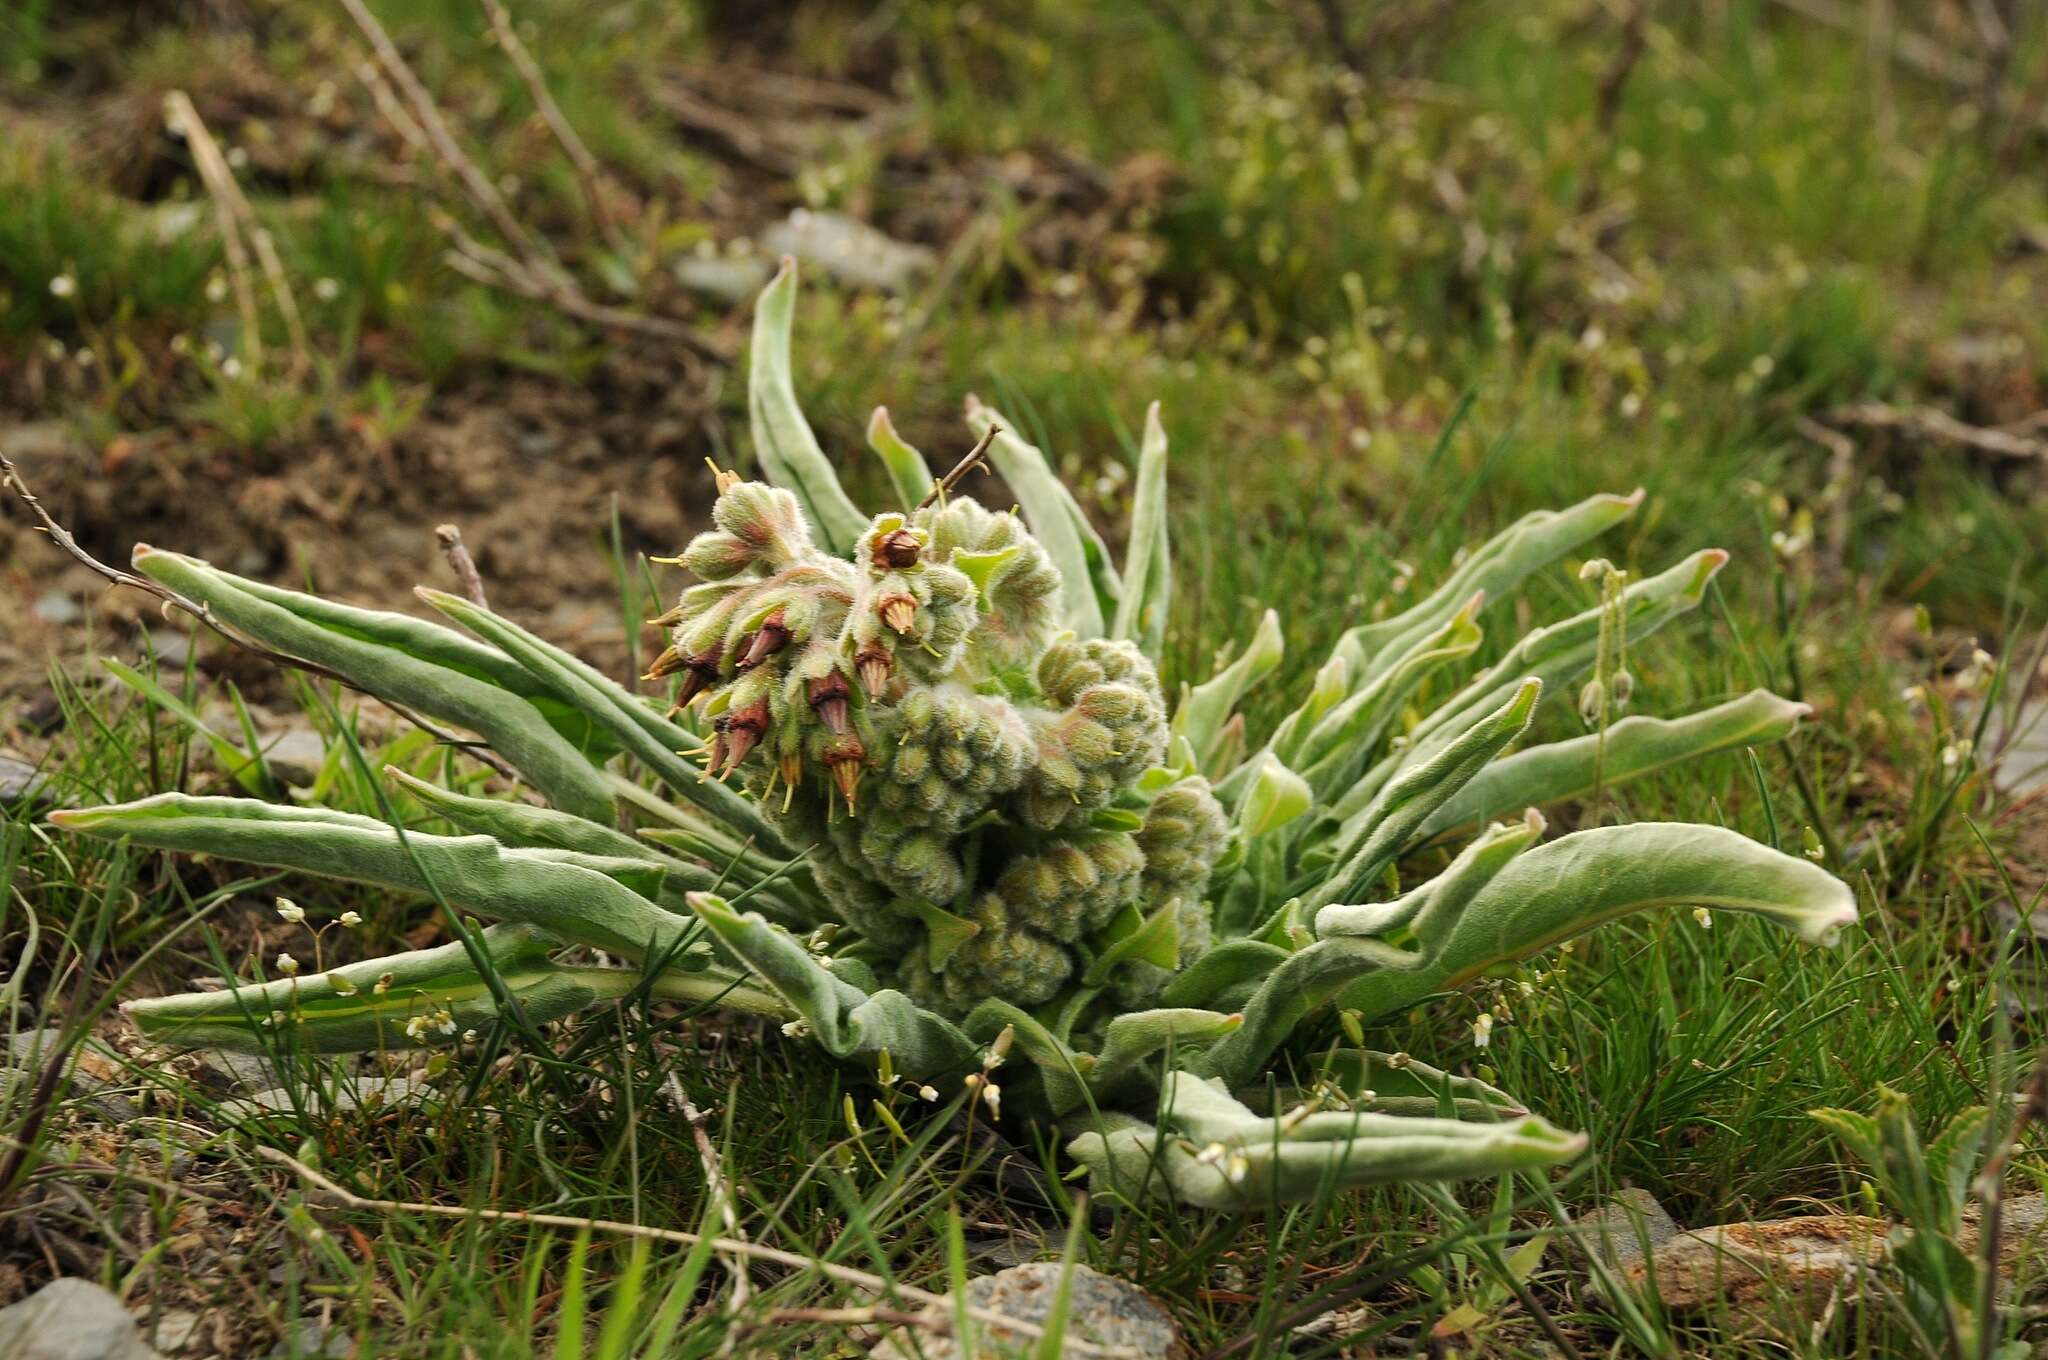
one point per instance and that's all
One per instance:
(290, 910)
(928, 1094)
(287, 965)
(1237, 1168)
(1704, 917)
(992, 1094)
(217, 288)
(1956, 752)
(351, 919)
(469, 1036)
(63, 286)
(1211, 1155)
(231, 367)
(1482, 1030)
(384, 983)
(416, 1029)
(327, 290)
(795, 1029)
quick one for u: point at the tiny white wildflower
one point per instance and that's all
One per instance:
(287, 965)
(351, 919)
(992, 1094)
(290, 910)
(928, 1094)
(63, 286)
(469, 1036)
(217, 288)
(1704, 917)
(1211, 1155)
(1482, 1030)
(384, 983)
(416, 1029)
(1956, 752)
(795, 1029)
(327, 290)
(1237, 1168)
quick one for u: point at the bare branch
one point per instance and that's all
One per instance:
(452, 548)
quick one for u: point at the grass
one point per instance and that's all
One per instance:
(1388, 304)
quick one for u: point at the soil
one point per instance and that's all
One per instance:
(530, 470)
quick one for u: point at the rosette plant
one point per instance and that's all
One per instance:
(915, 790)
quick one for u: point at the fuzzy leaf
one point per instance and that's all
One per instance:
(1492, 571)
(1148, 560)
(1242, 1161)
(908, 475)
(847, 1021)
(617, 712)
(1376, 836)
(1574, 883)
(783, 443)
(1089, 586)
(1200, 717)
(582, 898)
(514, 728)
(1635, 747)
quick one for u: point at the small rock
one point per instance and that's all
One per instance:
(57, 608)
(94, 1069)
(174, 1330)
(851, 252)
(1101, 1308)
(243, 1071)
(70, 1320)
(348, 1093)
(729, 279)
(1752, 1264)
(296, 756)
(172, 646)
(19, 782)
(312, 1339)
(1620, 1229)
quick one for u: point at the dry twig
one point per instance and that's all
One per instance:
(944, 486)
(457, 553)
(1941, 427)
(848, 1275)
(716, 1186)
(236, 218)
(587, 172)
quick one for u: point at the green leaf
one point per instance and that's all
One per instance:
(1383, 830)
(847, 1021)
(1148, 559)
(582, 898)
(1276, 797)
(1634, 747)
(512, 726)
(783, 443)
(1492, 571)
(909, 477)
(1089, 587)
(428, 996)
(627, 718)
(1202, 712)
(1242, 1161)
(1580, 881)
(1154, 940)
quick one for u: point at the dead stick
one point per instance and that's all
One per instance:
(859, 1279)
(587, 172)
(944, 486)
(452, 548)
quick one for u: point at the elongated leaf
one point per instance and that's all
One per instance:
(514, 728)
(1148, 561)
(582, 898)
(909, 477)
(1634, 747)
(1393, 1083)
(1200, 717)
(1089, 586)
(716, 799)
(1574, 883)
(1243, 1161)
(847, 1021)
(1375, 837)
(788, 452)
(1491, 571)
(428, 996)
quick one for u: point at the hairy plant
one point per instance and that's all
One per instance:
(921, 797)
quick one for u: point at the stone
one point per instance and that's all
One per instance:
(346, 1093)
(175, 1330)
(20, 782)
(729, 279)
(57, 608)
(852, 252)
(312, 1339)
(172, 646)
(71, 1320)
(1621, 1229)
(1101, 1308)
(296, 755)
(95, 1069)
(1754, 1266)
